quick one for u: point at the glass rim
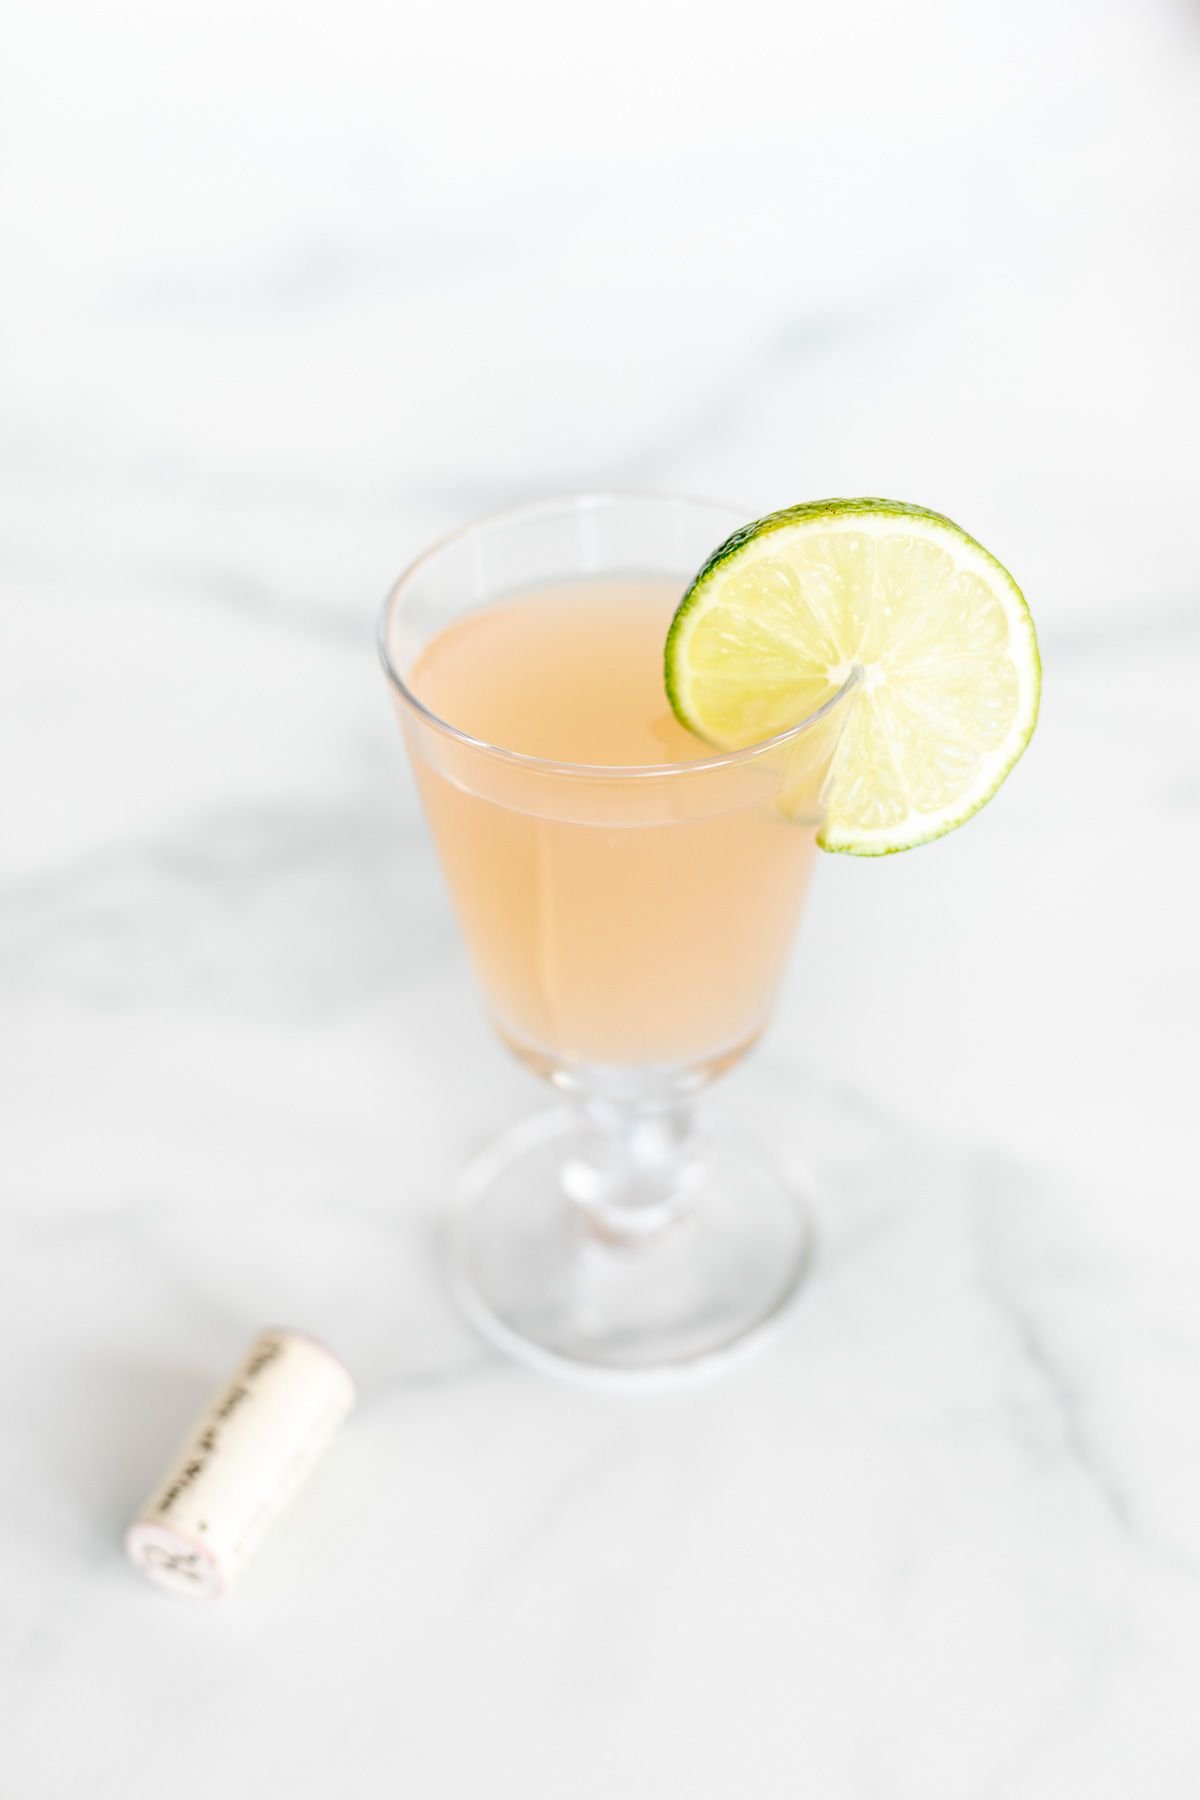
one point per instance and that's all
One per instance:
(562, 504)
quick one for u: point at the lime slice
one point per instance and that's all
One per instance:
(789, 608)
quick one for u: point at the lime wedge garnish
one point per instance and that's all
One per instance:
(788, 608)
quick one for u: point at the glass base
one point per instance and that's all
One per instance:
(578, 1291)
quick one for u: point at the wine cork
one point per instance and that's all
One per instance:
(247, 1455)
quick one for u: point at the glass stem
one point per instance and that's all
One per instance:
(635, 1166)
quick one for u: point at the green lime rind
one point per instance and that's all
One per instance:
(833, 836)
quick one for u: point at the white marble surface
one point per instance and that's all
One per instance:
(287, 292)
